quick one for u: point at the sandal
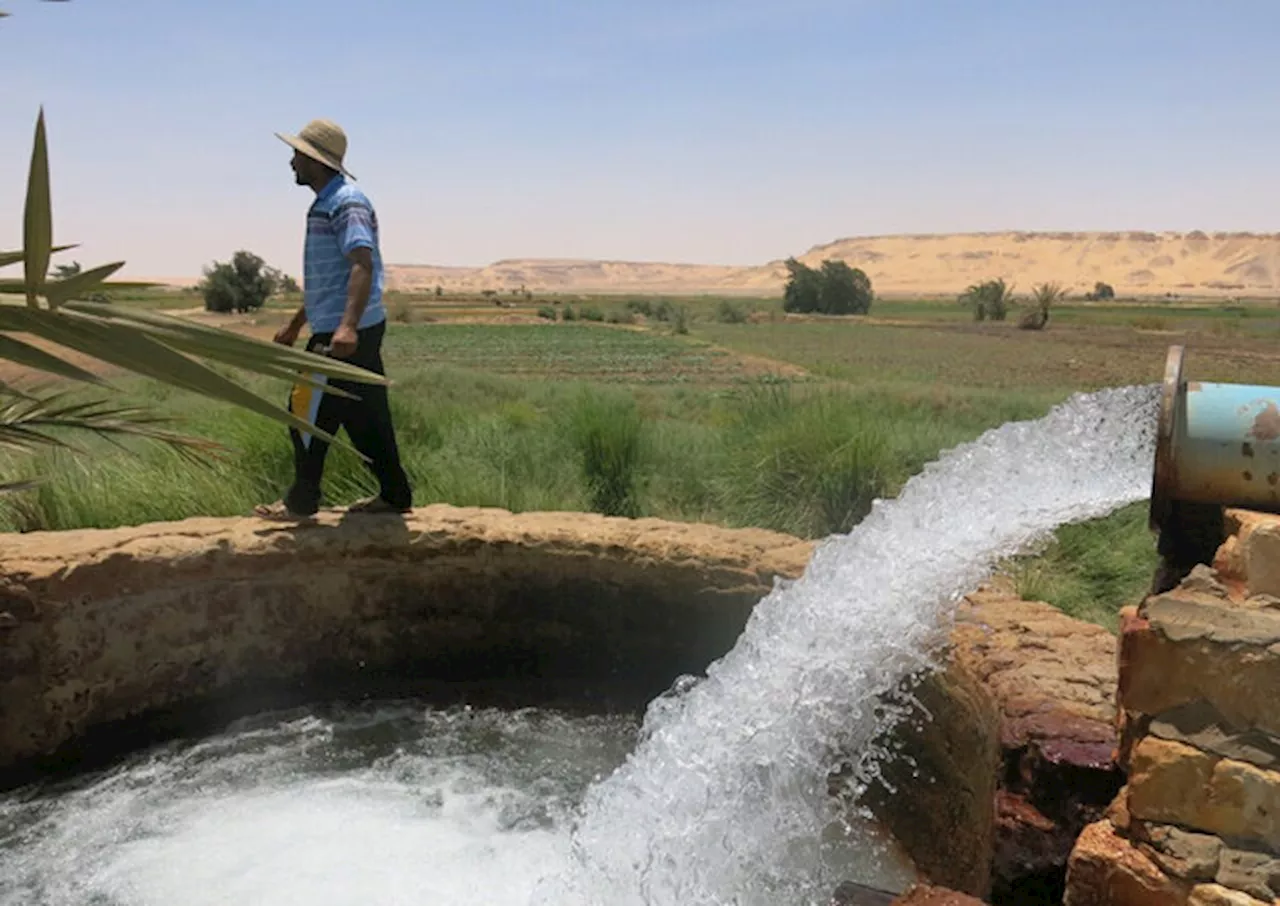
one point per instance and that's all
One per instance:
(279, 512)
(374, 506)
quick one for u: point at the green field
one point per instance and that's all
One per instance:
(788, 423)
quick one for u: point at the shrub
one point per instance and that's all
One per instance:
(835, 289)
(729, 313)
(989, 300)
(607, 431)
(681, 320)
(241, 284)
(1043, 298)
(1101, 292)
(809, 466)
(640, 307)
(547, 311)
(569, 314)
(591, 313)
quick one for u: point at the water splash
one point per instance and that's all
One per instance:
(720, 802)
(384, 805)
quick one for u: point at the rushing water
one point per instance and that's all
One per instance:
(383, 805)
(720, 801)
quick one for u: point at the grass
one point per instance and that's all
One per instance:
(1090, 570)
(749, 418)
(578, 350)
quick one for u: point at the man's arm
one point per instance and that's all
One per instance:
(359, 286)
(288, 335)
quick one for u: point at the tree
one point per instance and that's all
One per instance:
(1101, 292)
(834, 289)
(845, 290)
(803, 292)
(989, 300)
(151, 344)
(1043, 298)
(283, 282)
(241, 284)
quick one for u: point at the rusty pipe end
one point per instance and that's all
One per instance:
(1164, 478)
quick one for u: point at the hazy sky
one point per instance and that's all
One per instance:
(715, 131)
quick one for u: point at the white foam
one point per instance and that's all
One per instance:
(720, 801)
(467, 808)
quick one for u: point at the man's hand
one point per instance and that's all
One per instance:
(287, 335)
(343, 344)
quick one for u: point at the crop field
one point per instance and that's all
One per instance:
(1057, 361)
(576, 351)
(734, 413)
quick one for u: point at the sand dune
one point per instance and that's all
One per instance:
(1134, 263)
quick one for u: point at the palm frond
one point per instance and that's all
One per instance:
(29, 423)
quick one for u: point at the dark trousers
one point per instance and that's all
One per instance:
(366, 420)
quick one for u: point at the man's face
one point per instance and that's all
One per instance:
(301, 165)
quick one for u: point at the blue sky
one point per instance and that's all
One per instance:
(714, 131)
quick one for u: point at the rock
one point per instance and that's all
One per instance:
(1054, 682)
(926, 895)
(1217, 895)
(1186, 855)
(1172, 783)
(1203, 579)
(1029, 844)
(1107, 870)
(1255, 873)
(1182, 648)
(1199, 725)
(1253, 557)
(937, 796)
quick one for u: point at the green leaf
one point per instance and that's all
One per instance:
(24, 424)
(32, 357)
(251, 361)
(8, 258)
(215, 343)
(37, 234)
(60, 291)
(135, 351)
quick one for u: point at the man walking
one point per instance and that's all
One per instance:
(342, 305)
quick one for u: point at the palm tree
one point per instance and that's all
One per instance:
(151, 344)
(989, 300)
(1043, 298)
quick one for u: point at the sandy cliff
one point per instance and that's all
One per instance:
(1138, 263)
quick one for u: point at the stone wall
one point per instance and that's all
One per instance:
(1198, 821)
(113, 629)
(1008, 756)
(109, 638)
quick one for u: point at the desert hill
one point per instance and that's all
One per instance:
(1134, 263)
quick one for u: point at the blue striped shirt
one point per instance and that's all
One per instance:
(340, 220)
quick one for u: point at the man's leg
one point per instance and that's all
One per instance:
(368, 423)
(324, 411)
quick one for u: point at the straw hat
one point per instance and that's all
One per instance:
(321, 140)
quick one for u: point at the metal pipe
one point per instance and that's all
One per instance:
(1215, 443)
